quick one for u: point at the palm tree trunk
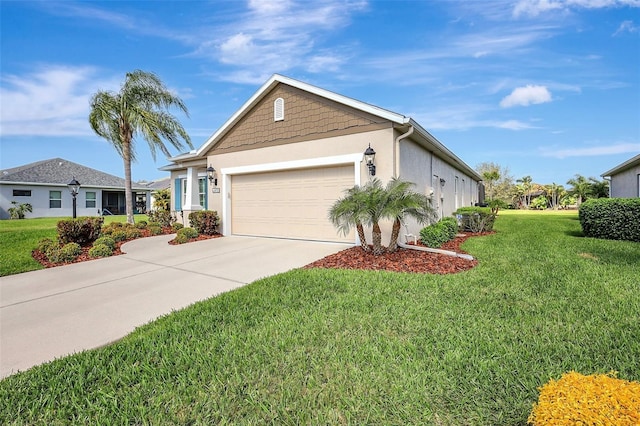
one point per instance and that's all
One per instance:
(128, 195)
(362, 237)
(377, 239)
(395, 233)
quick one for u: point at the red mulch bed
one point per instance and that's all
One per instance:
(403, 260)
(84, 256)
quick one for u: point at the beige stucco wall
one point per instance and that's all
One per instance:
(354, 144)
(626, 184)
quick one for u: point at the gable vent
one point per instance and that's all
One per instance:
(278, 109)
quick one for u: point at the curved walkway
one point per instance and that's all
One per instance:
(53, 312)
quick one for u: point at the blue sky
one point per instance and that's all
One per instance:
(547, 88)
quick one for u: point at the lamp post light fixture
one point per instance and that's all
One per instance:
(211, 174)
(369, 157)
(74, 187)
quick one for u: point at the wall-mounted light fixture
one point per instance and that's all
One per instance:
(74, 188)
(211, 174)
(442, 182)
(369, 157)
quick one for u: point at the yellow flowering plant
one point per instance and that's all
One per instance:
(576, 399)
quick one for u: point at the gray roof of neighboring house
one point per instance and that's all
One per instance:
(632, 162)
(58, 171)
(164, 183)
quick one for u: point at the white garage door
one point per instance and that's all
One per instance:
(290, 203)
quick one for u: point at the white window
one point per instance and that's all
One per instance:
(278, 110)
(202, 189)
(55, 199)
(90, 200)
(22, 193)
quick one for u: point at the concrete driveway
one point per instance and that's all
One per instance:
(54, 312)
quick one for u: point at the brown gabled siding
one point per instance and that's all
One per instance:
(306, 117)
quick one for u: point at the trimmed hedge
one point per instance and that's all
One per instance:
(611, 218)
(436, 235)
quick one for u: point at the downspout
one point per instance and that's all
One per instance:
(396, 151)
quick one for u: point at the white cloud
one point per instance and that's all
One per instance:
(537, 7)
(593, 151)
(626, 26)
(51, 101)
(514, 125)
(277, 36)
(527, 95)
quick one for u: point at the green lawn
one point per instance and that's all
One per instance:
(19, 237)
(357, 347)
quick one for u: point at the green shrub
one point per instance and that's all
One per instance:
(451, 225)
(181, 239)
(476, 219)
(119, 235)
(107, 241)
(205, 221)
(82, 230)
(141, 225)
(100, 250)
(611, 218)
(46, 244)
(177, 226)
(163, 217)
(67, 253)
(132, 232)
(155, 229)
(434, 235)
(188, 232)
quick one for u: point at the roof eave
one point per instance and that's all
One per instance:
(634, 161)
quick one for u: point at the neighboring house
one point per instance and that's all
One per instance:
(292, 149)
(43, 184)
(624, 179)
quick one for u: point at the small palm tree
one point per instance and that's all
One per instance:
(350, 211)
(139, 108)
(162, 199)
(401, 202)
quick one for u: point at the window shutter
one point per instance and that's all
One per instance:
(278, 109)
(178, 195)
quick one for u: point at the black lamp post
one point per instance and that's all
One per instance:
(211, 174)
(369, 156)
(74, 187)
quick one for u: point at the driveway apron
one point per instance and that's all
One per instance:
(51, 313)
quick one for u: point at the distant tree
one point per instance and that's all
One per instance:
(526, 183)
(580, 188)
(497, 180)
(599, 188)
(139, 108)
(554, 192)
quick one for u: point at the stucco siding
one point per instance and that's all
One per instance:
(625, 184)
(39, 200)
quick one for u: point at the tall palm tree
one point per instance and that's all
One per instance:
(350, 211)
(581, 188)
(141, 107)
(400, 202)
